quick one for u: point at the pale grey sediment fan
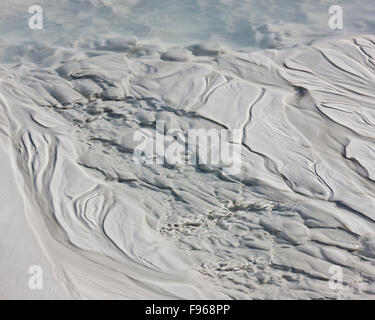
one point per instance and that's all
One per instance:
(112, 228)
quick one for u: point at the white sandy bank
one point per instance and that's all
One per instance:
(303, 201)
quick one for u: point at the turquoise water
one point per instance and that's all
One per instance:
(236, 23)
